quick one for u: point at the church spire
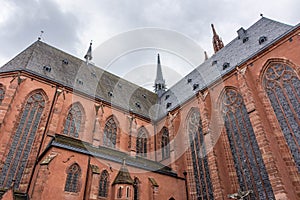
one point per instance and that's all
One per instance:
(88, 55)
(217, 42)
(160, 86)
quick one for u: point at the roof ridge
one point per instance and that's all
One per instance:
(92, 67)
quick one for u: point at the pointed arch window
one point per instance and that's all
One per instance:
(2, 93)
(103, 184)
(136, 191)
(201, 171)
(128, 192)
(120, 192)
(22, 141)
(110, 133)
(248, 162)
(73, 178)
(141, 142)
(165, 146)
(73, 121)
(282, 85)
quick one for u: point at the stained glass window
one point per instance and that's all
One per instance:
(73, 121)
(2, 93)
(283, 88)
(165, 146)
(201, 171)
(141, 142)
(110, 133)
(73, 177)
(248, 162)
(22, 141)
(103, 184)
(136, 183)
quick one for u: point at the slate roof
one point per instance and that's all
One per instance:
(114, 155)
(234, 53)
(75, 73)
(126, 95)
(123, 176)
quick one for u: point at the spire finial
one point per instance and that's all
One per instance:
(158, 59)
(217, 42)
(88, 55)
(213, 29)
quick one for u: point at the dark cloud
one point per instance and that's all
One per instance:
(29, 18)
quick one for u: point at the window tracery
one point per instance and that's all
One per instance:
(248, 162)
(282, 86)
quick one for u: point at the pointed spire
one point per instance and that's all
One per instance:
(205, 55)
(88, 55)
(217, 42)
(160, 86)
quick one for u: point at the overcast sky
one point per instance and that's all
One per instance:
(71, 24)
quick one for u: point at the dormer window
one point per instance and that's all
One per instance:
(195, 86)
(65, 61)
(262, 39)
(110, 94)
(226, 65)
(79, 81)
(143, 95)
(137, 104)
(168, 105)
(47, 68)
(189, 80)
(214, 62)
(93, 74)
(245, 39)
(167, 96)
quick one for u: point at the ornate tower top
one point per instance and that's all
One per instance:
(88, 55)
(160, 86)
(217, 42)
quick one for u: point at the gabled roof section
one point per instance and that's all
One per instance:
(224, 61)
(123, 176)
(53, 64)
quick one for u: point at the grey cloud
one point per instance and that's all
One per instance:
(29, 18)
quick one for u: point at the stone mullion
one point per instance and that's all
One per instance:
(230, 162)
(260, 134)
(211, 155)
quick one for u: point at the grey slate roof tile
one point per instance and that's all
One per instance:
(234, 53)
(119, 92)
(82, 77)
